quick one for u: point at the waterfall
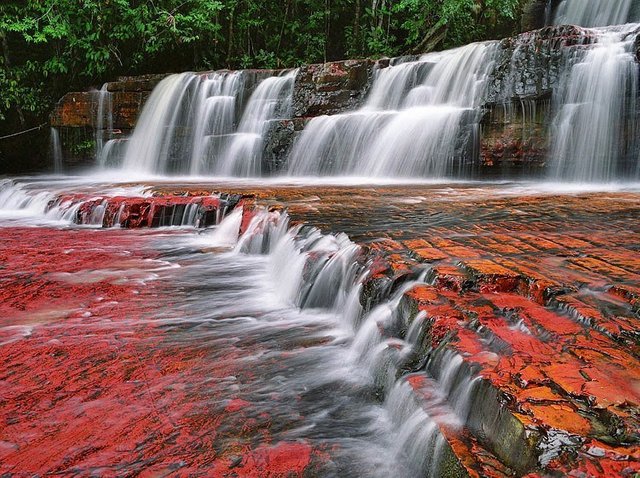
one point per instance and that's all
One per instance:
(214, 116)
(416, 122)
(56, 151)
(271, 100)
(421, 118)
(190, 124)
(318, 272)
(104, 123)
(594, 127)
(595, 13)
(153, 139)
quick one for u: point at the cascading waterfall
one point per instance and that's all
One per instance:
(56, 151)
(317, 272)
(29, 201)
(595, 13)
(214, 117)
(104, 122)
(594, 128)
(153, 139)
(411, 125)
(190, 124)
(271, 100)
(421, 118)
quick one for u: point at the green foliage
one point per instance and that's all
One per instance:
(83, 149)
(52, 46)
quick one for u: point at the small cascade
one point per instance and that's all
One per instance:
(56, 151)
(419, 118)
(595, 13)
(190, 124)
(271, 100)
(594, 127)
(17, 201)
(214, 117)
(127, 207)
(317, 272)
(104, 123)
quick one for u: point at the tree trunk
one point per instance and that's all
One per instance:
(356, 27)
(327, 26)
(230, 36)
(431, 40)
(284, 23)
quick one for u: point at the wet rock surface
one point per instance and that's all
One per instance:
(191, 208)
(331, 88)
(538, 294)
(534, 295)
(96, 380)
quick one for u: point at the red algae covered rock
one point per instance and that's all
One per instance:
(198, 210)
(537, 297)
(94, 382)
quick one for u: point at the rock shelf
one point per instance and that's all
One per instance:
(536, 293)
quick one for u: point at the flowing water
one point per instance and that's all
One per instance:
(104, 123)
(243, 152)
(199, 124)
(55, 150)
(419, 117)
(287, 286)
(594, 130)
(287, 302)
(596, 13)
(278, 313)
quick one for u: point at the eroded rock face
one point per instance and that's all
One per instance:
(331, 88)
(519, 108)
(77, 116)
(530, 65)
(198, 209)
(515, 135)
(279, 138)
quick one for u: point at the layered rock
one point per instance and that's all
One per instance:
(535, 298)
(331, 88)
(199, 209)
(528, 332)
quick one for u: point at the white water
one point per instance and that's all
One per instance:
(54, 203)
(411, 125)
(271, 100)
(323, 275)
(56, 151)
(594, 126)
(104, 124)
(149, 148)
(214, 114)
(421, 119)
(596, 13)
(199, 124)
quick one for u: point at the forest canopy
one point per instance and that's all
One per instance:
(52, 46)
